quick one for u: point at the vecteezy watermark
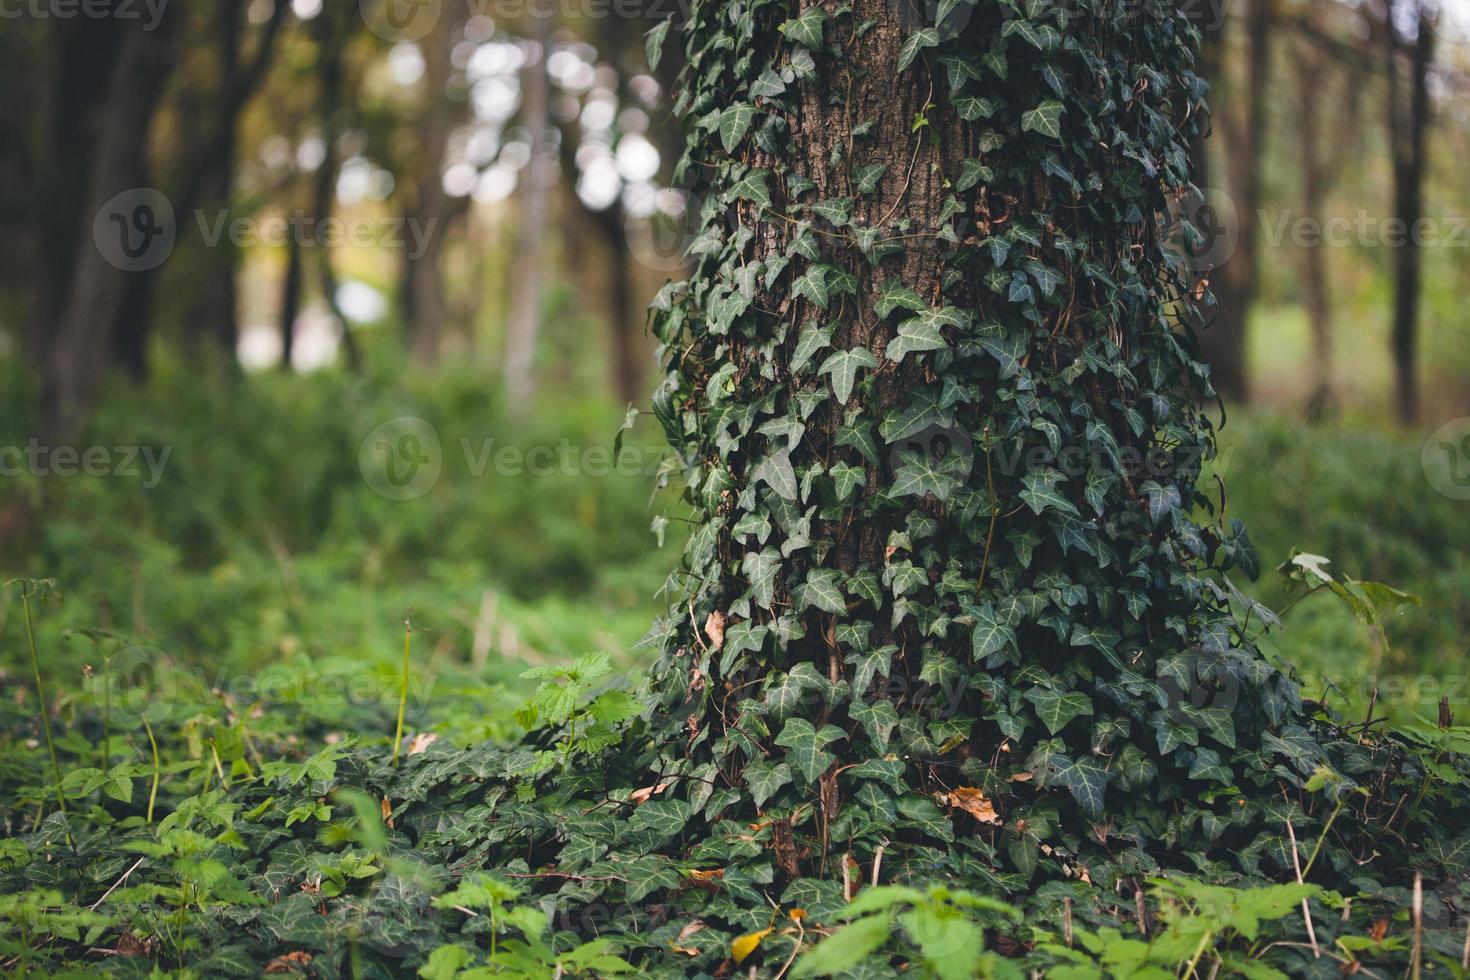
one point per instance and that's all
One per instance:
(1363, 230)
(150, 12)
(1446, 459)
(137, 230)
(126, 462)
(311, 232)
(404, 458)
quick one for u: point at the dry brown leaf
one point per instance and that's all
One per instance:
(973, 802)
(387, 809)
(714, 628)
(642, 796)
(421, 742)
(289, 963)
(699, 875)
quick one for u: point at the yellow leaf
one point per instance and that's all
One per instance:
(973, 802)
(744, 945)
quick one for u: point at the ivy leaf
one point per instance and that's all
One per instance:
(813, 337)
(1055, 710)
(1207, 765)
(813, 286)
(1044, 119)
(973, 172)
(1041, 492)
(918, 475)
(843, 366)
(846, 478)
(822, 590)
(760, 569)
(866, 177)
(664, 817)
(916, 335)
(991, 634)
(916, 42)
(776, 471)
(808, 746)
(1088, 779)
(837, 211)
(972, 107)
(734, 124)
(768, 85)
(874, 663)
(893, 295)
(765, 778)
(752, 187)
(653, 42)
(1033, 34)
(806, 30)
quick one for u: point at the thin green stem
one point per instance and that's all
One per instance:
(1194, 960)
(25, 601)
(1322, 838)
(153, 790)
(403, 685)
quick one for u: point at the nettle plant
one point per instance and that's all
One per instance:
(940, 420)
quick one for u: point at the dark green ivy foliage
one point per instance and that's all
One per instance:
(941, 432)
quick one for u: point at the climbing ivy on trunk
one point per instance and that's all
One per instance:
(948, 591)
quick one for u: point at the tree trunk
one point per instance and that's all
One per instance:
(1225, 342)
(425, 306)
(942, 443)
(523, 322)
(1311, 66)
(625, 325)
(76, 357)
(1408, 131)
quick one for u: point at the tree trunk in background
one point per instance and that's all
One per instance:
(74, 364)
(56, 166)
(902, 323)
(212, 316)
(625, 325)
(290, 300)
(1224, 341)
(203, 173)
(523, 323)
(1311, 65)
(1408, 129)
(425, 306)
(334, 29)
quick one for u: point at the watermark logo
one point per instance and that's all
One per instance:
(150, 12)
(946, 449)
(1203, 682)
(401, 21)
(666, 226)
(135, 230)
(402, 459)
(1446, 459)
(1204, 228)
